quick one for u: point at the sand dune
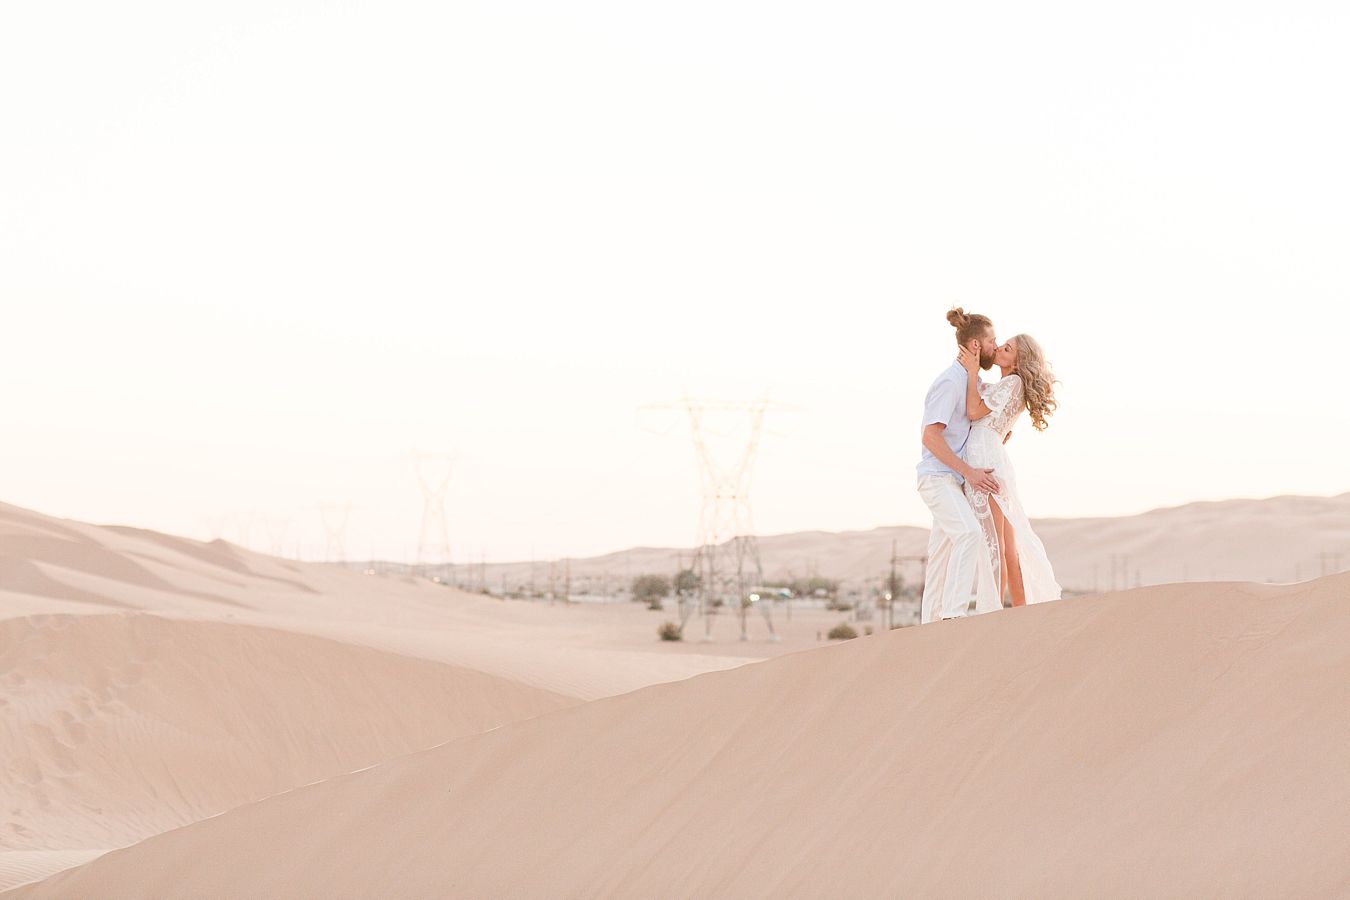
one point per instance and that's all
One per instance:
(59, 565)
(49, 565)
(148, 681)
(25, 866)
(181, 694)
(116, 727)
(1176, 741)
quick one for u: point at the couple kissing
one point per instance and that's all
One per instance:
(982, 546)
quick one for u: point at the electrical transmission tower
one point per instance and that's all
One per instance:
(726, 556)
(433, 542)
(276, 529)
(335, 530)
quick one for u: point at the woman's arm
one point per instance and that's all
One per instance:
(975, 408)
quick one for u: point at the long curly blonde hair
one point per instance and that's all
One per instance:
(1038, 381)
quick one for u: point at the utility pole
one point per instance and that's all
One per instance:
(1120, 571)
(891, 588)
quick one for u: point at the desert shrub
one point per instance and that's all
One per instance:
(814, 586)
(842, 632)
(867, 630)
(647, 588)
(686, 582)
(669, 631)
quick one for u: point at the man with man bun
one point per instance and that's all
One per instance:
(956, 551)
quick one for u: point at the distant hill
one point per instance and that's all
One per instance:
(1277, 539)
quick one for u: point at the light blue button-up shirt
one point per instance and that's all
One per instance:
(946, 403)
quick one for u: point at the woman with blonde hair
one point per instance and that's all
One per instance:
(1027, 384)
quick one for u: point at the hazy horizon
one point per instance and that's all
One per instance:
(256, 256)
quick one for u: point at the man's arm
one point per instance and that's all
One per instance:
(975, 408)
(980, 479)
(970, 361)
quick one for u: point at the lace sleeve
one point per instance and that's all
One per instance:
(1007, 393)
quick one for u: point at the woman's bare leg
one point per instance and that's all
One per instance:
(1002, 556)
(1002, 567)
(1012, 566)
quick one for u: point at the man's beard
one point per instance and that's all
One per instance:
(986, 362)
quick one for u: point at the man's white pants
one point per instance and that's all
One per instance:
(956, 549)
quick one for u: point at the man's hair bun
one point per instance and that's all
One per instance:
(969, 326)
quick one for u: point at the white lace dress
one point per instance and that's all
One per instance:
(985, 450)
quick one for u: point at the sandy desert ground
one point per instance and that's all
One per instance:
(180, 719)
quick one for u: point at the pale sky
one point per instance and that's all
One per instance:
(254, 255)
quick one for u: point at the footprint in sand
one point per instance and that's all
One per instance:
(54, 749)
(18, 830)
